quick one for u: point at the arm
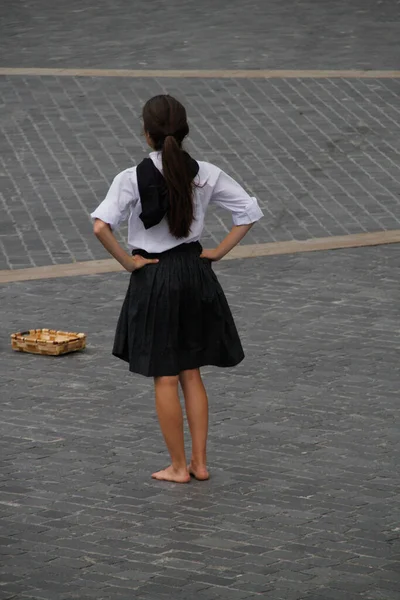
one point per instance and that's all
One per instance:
(112, 212)
(104, 234)
(230, 195)
(236, 234)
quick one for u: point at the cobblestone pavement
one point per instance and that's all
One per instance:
(303, 502)
(321, 155)
(250, 34)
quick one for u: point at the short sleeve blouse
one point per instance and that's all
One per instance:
(213, 185)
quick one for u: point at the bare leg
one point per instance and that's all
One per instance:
(196, 403)
(171, 422)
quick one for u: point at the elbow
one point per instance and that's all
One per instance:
(99, 227)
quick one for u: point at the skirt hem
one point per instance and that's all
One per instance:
(199, 365)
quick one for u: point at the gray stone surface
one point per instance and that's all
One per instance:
(292, 34)
(322, 156)
(303, 503)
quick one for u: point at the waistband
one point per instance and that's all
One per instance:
(191, 247)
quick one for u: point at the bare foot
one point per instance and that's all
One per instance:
(199, 473)
(171, 474)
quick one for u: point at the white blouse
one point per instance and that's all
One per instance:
(123, 202)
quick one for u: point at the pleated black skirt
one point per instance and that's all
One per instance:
(175, 316)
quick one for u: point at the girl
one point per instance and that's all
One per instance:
(175, 317)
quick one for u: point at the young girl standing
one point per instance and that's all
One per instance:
(175, 317)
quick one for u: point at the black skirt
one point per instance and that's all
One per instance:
(175, 316)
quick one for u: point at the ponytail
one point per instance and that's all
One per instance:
(165, 122)
(179, 182)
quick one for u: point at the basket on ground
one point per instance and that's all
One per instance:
(48, 341)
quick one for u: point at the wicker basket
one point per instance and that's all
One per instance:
(48, 341)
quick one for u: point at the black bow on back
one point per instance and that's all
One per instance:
(153, 190)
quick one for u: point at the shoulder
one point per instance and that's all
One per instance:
(126, 178)
(208, 173)
(129, 173)
(124, 185)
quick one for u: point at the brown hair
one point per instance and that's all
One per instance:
(165, 122)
